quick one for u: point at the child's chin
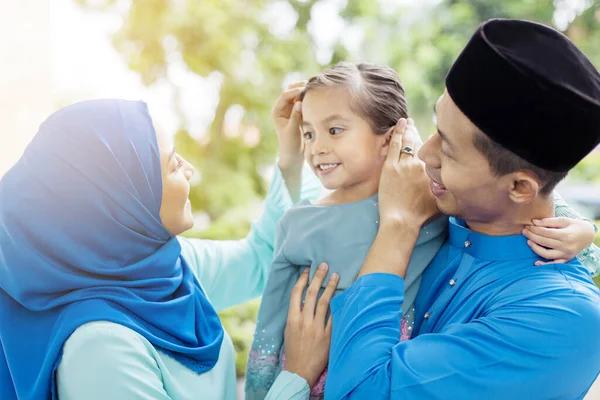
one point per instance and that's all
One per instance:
(331, 185)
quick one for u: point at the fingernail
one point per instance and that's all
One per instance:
(335, 276)
(410, 121)
(306, 270)
(322, 266)
(298, 106)
(537, 221)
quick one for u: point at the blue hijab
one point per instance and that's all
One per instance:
(81, 240)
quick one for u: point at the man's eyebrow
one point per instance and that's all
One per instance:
(445, 138)
(442, 134)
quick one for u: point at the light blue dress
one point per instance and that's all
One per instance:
(103, 360)
(340, 235)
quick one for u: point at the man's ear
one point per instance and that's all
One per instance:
(524, 187)
(387, 137)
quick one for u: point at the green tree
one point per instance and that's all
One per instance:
(235, 39)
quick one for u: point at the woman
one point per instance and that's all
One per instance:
(99, 298)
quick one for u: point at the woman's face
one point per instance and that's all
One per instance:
(175, 208)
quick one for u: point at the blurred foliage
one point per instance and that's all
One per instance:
(235, 41)
(588, 170)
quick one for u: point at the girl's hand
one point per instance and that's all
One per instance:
(287, 116)
(307, 334)
(559, 239)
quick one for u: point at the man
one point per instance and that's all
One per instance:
(522, 107)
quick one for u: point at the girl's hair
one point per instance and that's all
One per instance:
(375, 91)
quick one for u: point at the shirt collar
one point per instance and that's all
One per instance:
(485, 247)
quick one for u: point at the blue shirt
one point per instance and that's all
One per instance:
(490, 325)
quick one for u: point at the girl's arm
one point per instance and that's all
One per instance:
(564, 237)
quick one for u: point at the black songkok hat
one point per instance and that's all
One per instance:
(531, 90)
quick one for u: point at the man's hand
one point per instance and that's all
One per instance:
(405, 204)
(404, 193)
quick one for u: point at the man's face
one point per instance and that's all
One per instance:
(461, 178)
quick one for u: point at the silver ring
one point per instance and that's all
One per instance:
(407, 150)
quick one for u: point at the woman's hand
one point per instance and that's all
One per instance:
(287, 116)
(307, 334)
(559, 239)
(404, 193)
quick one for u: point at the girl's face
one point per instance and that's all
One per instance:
(175, 208)
(340, 146)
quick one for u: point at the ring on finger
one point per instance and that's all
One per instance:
(408, 150)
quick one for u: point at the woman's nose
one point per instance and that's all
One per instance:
(189, 171)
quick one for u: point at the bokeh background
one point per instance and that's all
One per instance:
(211, 70)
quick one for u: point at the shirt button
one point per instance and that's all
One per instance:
(452, 282)
(467, 244)
(427, 316)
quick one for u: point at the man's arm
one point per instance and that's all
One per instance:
(526, 349)
(391, 251)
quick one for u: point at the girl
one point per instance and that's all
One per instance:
(348, 114)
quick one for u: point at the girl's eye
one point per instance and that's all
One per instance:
(308, 135)
(335, 131)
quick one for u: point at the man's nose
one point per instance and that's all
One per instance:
(429, 153)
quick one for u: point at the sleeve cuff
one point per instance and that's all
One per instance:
(288, 386)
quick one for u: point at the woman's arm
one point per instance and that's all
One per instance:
(235, 271)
